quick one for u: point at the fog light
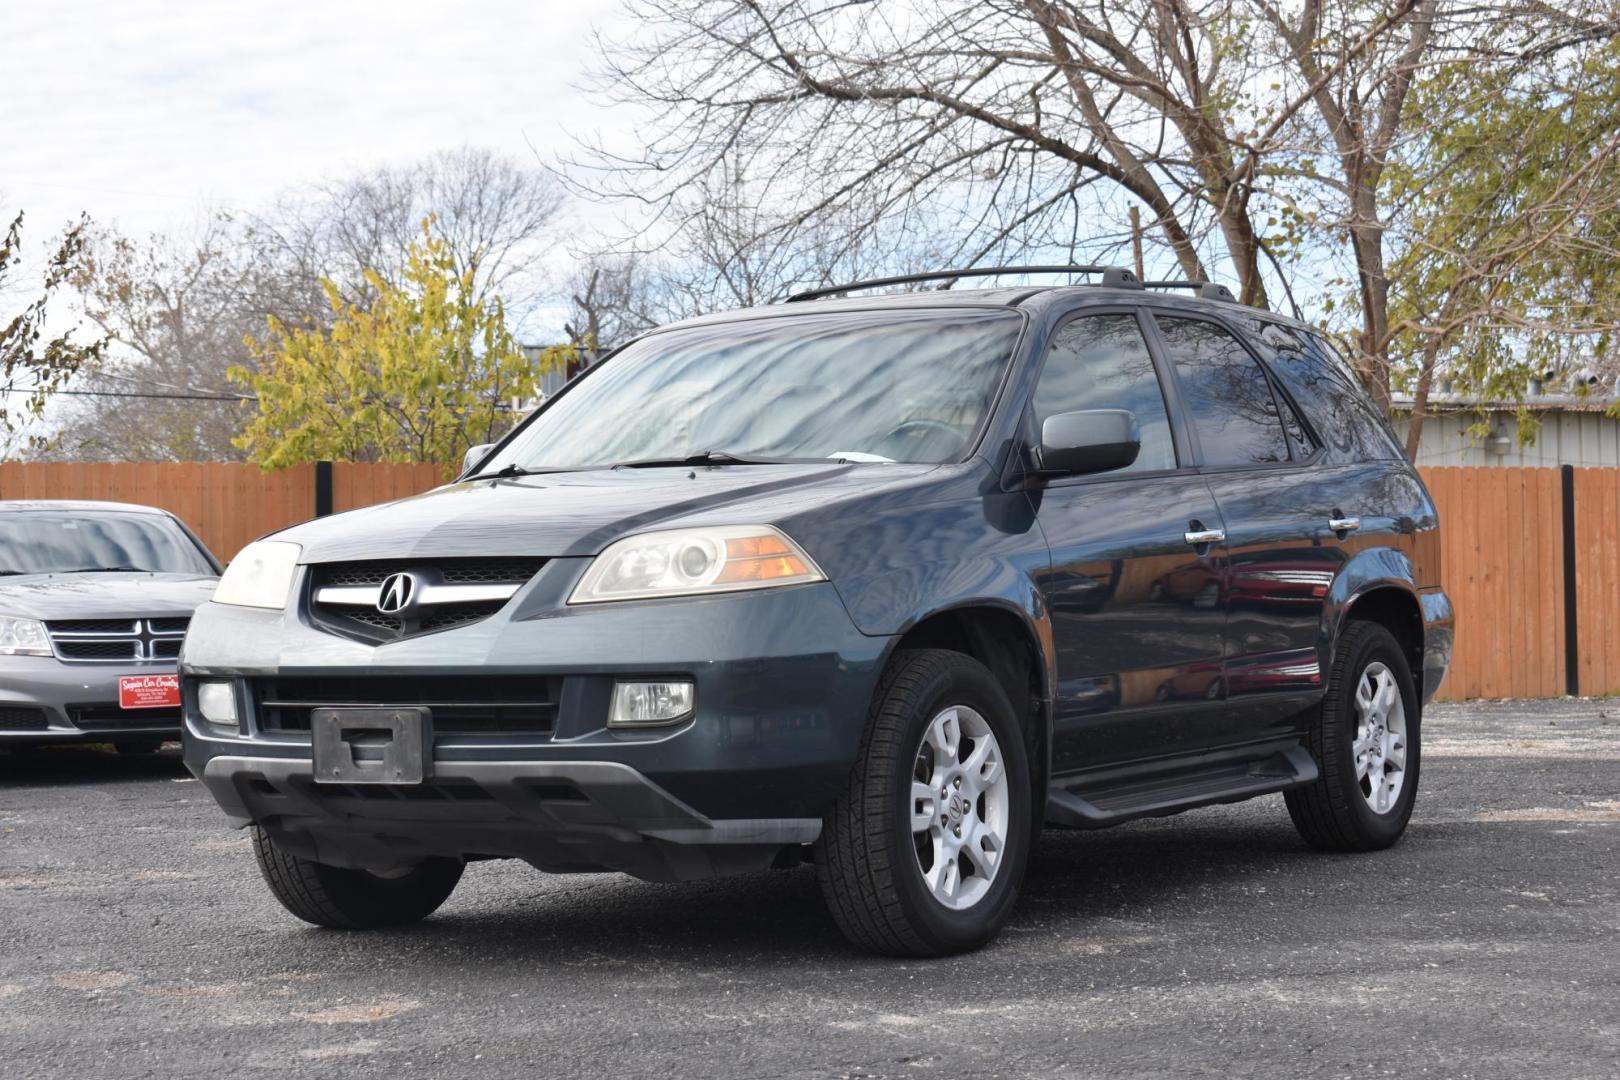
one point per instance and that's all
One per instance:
(639, 704)
(217, 700)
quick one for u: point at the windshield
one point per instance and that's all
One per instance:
(44, 543)
(861, 386)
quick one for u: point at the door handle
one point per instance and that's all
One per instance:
(1205, 536)
(1344, 524)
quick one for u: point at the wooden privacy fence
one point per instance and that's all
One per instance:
(1531, 556)
(1531, 561)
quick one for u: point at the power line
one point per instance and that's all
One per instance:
(136, 394)
(141, 381)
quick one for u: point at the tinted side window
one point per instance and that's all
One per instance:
(1227, 395)
(1102, 362)
(1328, 391)
(1298, 440)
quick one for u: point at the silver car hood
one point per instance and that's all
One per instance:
(103, 595)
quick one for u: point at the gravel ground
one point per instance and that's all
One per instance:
(137, 940)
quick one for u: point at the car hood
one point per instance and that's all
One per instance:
(580, 513)
(103, 596)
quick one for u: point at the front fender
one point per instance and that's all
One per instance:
(1028, 609)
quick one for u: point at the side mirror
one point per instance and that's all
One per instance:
(1088, 441)
(475, 455)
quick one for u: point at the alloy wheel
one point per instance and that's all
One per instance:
(959, 807)
(1379, 748)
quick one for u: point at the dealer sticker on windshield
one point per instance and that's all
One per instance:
(149, 692)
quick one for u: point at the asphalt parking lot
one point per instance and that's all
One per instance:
(137, 940)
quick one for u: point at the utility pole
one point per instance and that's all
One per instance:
(1136, 241)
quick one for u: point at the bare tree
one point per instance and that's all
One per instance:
(495, 213)
(35, 361)
(732, 252)
(1010, 126)
(612, 299)
(180, 308)
(179, 313)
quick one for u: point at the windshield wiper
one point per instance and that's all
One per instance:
(707, 457)
(508, 472)
(105, 570)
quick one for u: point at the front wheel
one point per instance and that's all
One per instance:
(1366, 742)
(353, 899)
(924, 853)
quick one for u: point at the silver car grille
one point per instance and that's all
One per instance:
(117, 641)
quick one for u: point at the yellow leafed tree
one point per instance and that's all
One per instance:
(420, 374)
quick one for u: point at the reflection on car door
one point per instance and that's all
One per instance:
(1135, 609)
(1281, 557)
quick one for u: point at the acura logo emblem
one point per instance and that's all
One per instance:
(398, 590)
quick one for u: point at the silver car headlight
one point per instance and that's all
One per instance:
(23, 637)
(692, 562)
(260, 576)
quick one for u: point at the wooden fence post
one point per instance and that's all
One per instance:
(1572, 652)
(323, 488)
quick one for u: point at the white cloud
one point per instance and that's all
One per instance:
(145, 113)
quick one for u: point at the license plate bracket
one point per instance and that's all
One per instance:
(386, 745)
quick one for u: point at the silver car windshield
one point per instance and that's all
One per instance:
(859, 386)
(36, 542)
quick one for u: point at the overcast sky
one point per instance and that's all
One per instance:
(145, 113)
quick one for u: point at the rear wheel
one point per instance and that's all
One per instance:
(924, 853)
(1366, 742)
(353, 899)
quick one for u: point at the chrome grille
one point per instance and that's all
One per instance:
(450, 571)
(116, 641)
(345, 598)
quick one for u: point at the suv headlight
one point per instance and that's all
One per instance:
(689, 562)
(23, 637)
(260, 576)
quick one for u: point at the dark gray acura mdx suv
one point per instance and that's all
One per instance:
(884, 584)
(94, 601)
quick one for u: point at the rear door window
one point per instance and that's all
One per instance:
(1102, 362)
(1226, 393)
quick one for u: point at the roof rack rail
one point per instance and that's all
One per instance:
(1206, 290)
(1112, 277)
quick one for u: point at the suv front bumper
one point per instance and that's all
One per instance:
(559, 815)
(783, 681)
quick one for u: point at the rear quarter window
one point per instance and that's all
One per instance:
(1340, 411)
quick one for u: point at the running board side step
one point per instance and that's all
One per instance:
(1109, 801)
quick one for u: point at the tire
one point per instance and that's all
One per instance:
(870, 863)
(1337, 812)
(353, 899)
